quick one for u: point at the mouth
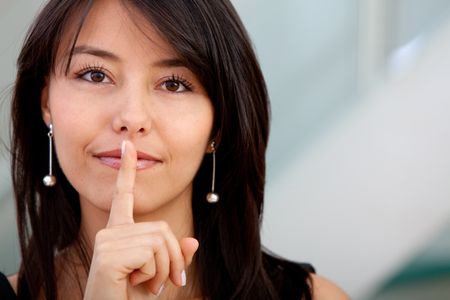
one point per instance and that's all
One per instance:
(113, 159)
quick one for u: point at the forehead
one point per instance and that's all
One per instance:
(120, 29)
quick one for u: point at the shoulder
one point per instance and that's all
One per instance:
(324, 289)
(13, 281)
(290, 279)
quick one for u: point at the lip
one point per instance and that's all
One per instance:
(112, 159)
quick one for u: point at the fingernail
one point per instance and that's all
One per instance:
(160, 290)
(183, 278)
(123, 147)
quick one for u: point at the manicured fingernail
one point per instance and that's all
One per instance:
(183, 278)
(123, 147)
(160, 290)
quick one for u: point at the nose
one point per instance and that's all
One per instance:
(133, 116)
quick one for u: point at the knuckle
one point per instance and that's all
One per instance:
(100, 236)
(158, 242)
(147, 253)
(103, 261)
(163, 226)
(101, 247)
(149, 271)
(149, 267)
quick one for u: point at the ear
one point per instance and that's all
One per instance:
(209, 148)
(45, 108)
(216, 139)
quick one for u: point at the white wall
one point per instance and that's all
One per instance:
(374, 189)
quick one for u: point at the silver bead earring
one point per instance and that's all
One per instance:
(213, 197)
(50, 180)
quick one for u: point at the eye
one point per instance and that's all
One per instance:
(94, 74)
(176, 84)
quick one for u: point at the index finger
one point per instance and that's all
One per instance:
(123, 200)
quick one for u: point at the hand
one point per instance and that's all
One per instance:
(132, 260)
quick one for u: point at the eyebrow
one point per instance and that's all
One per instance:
(167, 62)
(95, 52)
(170, 62)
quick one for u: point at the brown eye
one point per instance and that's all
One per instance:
(172, 86)
(97, 76)
(94, 76)
(176, 84)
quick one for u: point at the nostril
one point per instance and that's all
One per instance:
(141, 130)
(123, 128)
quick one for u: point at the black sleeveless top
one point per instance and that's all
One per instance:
(6, 290)
(289, 279)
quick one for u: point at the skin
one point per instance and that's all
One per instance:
(136, 213)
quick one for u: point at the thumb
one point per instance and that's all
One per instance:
(188, 246)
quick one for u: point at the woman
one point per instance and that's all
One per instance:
(148, 121)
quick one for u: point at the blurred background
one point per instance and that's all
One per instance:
(359, 155)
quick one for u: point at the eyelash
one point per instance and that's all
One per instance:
(180, 79)
(99, 68)
(91, 68)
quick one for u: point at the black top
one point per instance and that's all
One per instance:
(289, 279)
(6, 290)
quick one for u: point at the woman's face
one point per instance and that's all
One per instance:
(126, 82)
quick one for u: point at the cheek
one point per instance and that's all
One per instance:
(73, 128)
(74, 114)
(70, 138)
(188, 132)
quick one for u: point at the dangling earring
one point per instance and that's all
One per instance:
(50, 180)
(213, 197)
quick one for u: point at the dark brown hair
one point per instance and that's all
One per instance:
(210, 38)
